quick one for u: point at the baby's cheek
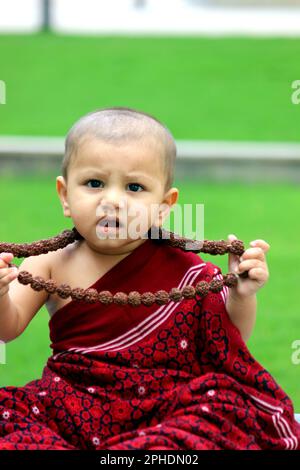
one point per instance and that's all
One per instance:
(141, 211)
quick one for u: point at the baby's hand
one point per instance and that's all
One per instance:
(253, 260)
(7, 274)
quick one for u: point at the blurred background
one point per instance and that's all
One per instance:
(223, 75)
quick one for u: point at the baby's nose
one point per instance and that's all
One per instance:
(113, 203)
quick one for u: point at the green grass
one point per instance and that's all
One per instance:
(202, 88)
(32, 211)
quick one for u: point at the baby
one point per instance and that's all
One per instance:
(178, 376)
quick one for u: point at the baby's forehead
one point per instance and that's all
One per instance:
(148, 141)
(124, 164)
(133, 155)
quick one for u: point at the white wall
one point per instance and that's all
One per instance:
(157, 17)
(19, 15)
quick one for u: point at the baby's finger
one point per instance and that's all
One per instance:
(5, 254)
(250, 264)
(255, 253)
(5, 281)
(233, 260)
(8, 272)
(261, 244)
(5, 259)
(258, 274)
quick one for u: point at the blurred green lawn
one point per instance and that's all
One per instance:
(231, 89)
(202, 88)
(31, 211)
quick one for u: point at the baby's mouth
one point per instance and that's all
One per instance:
(108, 223)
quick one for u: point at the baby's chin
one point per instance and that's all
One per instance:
(115, 246)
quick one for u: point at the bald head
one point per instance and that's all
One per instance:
(118, 126)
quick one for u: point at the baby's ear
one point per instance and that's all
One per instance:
(171, 196)
(61, 189)
(66, 211)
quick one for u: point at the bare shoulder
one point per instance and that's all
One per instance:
(48, 265)
(60, 259)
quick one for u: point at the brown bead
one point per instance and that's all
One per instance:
(209, 246)
(63, 291)
(166, 237)
(105, 297)
(222, 248)
(148, 298)
(188, 292)
(37, 283)
(230, 279)
(215, 247)
(24, 277)
(50, 286)
(175, 242)
(237, 247)
(91, 296)
(175, 294)
(5, 248)
(202, 288)
(134, 298)
(216, 285)
(120, 298)
(162, 297)
(78, 293)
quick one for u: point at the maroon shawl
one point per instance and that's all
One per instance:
(176, 376)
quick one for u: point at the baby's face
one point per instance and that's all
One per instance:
(124, 181)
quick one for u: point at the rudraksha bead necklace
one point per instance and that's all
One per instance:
(133, 298)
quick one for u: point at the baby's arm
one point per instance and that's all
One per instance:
(19, 303)
(241, 303)
(242, 312)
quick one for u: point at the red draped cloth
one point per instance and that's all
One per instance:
(176, 376)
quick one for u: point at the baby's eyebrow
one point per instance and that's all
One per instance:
(89, 169)
(140, 175)
(130, 175)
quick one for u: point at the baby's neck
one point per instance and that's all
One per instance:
(109, 255)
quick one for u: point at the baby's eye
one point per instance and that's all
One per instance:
(94, 181)
(134, 185)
